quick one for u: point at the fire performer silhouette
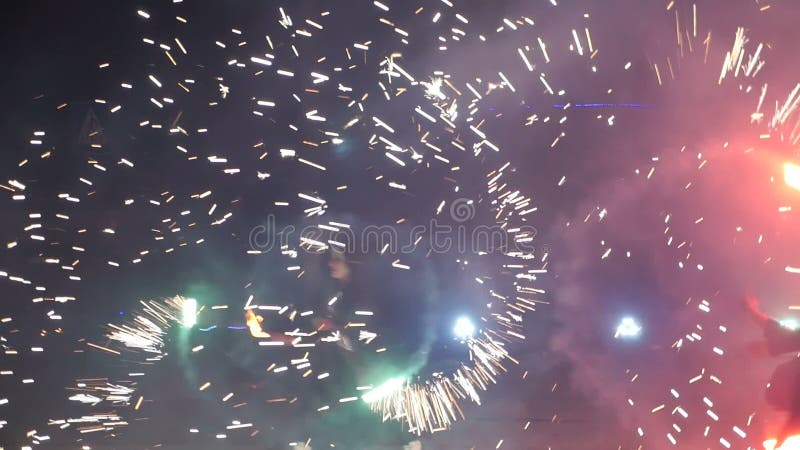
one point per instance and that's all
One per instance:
(783, 390)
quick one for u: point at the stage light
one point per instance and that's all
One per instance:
(791, 175)
(464, 328)
(628, 328)
(189, 312)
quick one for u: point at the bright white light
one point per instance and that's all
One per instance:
(628, 328)
(464, 328)
(385, 390)
(189, 312)
(792, 443)
(790, 324)
(791, 175)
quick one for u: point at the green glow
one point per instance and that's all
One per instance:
(386, 389)
(189, 318)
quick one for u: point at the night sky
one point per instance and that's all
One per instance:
(653, 188)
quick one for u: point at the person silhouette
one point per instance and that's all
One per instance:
(783, 390)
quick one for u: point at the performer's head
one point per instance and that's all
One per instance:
(339, 269)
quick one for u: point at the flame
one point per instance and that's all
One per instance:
(254, 324)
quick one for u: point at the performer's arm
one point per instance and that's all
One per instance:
(779, 339)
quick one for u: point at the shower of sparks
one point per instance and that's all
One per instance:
(435, 404)
(281, 111)
(686, 408)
